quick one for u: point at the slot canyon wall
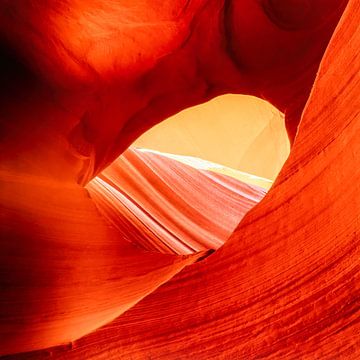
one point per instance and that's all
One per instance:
(80, 81)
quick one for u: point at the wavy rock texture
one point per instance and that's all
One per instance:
(164, 205)
(285, 285)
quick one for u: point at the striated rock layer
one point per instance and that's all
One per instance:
(73, 97)
(163, 205)
(287, 283)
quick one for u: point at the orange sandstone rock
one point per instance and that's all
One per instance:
(80, 81)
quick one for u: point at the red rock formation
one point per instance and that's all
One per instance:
(163, 205)
(82, 79)
(285, 285)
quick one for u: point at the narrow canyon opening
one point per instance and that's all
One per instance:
(185, 185)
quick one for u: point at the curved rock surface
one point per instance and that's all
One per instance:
(161, 204)
(285, 285)
(81, 80)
